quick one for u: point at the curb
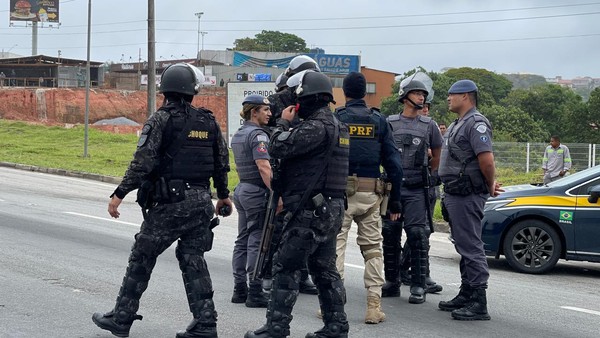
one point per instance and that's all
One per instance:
(63, 172)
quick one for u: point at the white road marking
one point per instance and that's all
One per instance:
(354, 266)
(1, 200)
(578, 309)
(100, 218)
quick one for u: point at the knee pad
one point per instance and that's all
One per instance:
(417, 238)
(371, 251)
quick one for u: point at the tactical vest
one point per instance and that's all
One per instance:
(413, 142)
(194, 162)
(364, 126)
(454, 157)
(241, 144)
(299, 171)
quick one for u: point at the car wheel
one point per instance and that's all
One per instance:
(532, 246)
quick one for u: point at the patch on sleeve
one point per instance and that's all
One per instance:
(262, 147)
(483, 138)
(481, 127)
(262, 138)
(144, 137)
(284, 136)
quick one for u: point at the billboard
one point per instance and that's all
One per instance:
(34, 10)
(236, 92)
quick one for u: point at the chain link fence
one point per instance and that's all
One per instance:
(526, 157)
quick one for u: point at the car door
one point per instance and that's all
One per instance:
(586, 221)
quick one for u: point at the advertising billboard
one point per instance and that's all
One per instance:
(34, 10)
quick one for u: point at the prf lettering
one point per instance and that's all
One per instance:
(199, 134)
(362, 130)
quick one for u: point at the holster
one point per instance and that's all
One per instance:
(386, 198)
(465, 185)
(351, 185)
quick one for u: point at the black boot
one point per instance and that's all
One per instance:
(118, 324)
(240, 293)
(279, 309)
(256, 296)
(431, 286)
(461, 300)
(119, 320)
(476, 309)
(390, 289)
(198, 288)
(306, 284)
(332, 300)
(418, 244)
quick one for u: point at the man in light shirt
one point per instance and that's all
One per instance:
(557, 160)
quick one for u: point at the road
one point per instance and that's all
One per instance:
(62, 258)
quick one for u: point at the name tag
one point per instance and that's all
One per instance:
(199, 134)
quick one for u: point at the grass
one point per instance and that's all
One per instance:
(109, 154)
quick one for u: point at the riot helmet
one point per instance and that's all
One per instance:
(412, 86)
(181, 78)
(300, 63)
(280, 82)
(309, 82)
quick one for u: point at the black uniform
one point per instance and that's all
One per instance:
(310, 235)
(183, 213)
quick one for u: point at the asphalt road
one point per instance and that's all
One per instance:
(62, 258)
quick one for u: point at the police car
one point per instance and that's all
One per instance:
(534, 226)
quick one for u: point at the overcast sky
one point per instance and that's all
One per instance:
(545, 37)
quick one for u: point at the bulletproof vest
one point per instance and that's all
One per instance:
(194, 162)
(241, 144)
(413, 142)
(300, 170)
(451, 166)
(364, 126)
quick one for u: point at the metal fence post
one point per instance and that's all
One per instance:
(589, 155)
(527, 165)
(594, 155)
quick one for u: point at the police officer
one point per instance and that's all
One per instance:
(249, 145)
(180, 149)
(467, 170)
(283, 98)
(414, 135)
(371, 146)
(314, 169)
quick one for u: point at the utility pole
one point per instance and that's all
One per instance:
(151, 60)
(87, 80)
(198, 56)
(34, 38)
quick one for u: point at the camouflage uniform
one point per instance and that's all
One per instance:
(186, 221)
(308, 236)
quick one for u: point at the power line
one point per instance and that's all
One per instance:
(351, 28)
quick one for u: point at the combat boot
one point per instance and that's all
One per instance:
(431, 286)
(476, 309)
(336, 326)
(374, 313)
(240, 293)
(118, 324)
(256, 296)
(197, 329)
(417, 295)
(390, 289)
(461, 300)
(306, 284)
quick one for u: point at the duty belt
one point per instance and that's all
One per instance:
(365, 184)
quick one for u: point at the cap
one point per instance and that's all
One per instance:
(462, 86)
(256, 99)
(355, 85)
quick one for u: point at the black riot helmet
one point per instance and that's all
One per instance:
(280, 82)
(309, 83)
(300, 63)
(181, 78)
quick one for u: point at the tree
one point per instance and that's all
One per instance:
(511, 124)
(525, 81)
(272, 41)
(492, 87)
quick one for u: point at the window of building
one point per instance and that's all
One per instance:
(371, 88)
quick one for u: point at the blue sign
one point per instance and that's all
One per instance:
(337, 64)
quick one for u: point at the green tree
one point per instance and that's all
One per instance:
(525, 81)
(273, 41)
(558, 108)
(492, 87)
(511, 124)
